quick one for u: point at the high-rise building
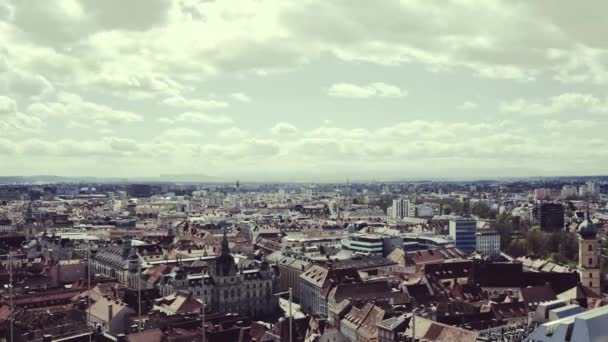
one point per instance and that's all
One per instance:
(568, 191)
(401, 208)
(541, 193)
(463, 232)
(593, 188)
(588, 255)
(550, 216)
(583, 190)
(488, 242)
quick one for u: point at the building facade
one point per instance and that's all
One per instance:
(488, 242)
(400, 208)
(550, 216)
(226, 288)
(463, 232)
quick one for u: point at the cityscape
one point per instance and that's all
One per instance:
(303, 171)
(397, 261)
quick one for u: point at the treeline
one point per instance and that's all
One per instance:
(560, 247)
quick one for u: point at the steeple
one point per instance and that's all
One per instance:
(225, 247)
(237, 203)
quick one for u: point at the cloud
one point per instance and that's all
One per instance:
(139, 86)
(28, 85)
(567, 102)
(193, 104)
(468, 105)
(233, 133)
(73, 106)
(284, 128)
(181, 132)
(7, 105)
(165, 121)
(376, 89)
(195, 117)
(240, 97)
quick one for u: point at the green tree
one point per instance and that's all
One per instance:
(446, 209)
(569, 246)
(536, 243)
(517, 248)
(504, 227)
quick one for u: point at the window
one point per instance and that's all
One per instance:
(590, 261)
(590, 284)
(590, 248)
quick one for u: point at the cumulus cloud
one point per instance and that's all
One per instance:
(240, 97)
(376, 89)
(233, 133)
(139, 68)
(28, 85)
(284, 128)
(468, 105)
(181, 132)
(73, 106)
(194, 104)
(567, 102)
(7, 105)
(195, 117)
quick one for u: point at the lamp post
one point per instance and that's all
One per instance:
(290, 313)
(414, 324)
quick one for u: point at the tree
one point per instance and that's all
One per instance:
(517, 248)
(569, 246)
(504, 227)
(536, 243)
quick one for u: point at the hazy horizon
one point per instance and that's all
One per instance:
(303, 90)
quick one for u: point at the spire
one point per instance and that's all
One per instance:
(225, 247)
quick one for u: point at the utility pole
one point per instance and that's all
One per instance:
(290, 292)
(10, 289)
(139, 293)
(290, 316)
(89, 290)
(203, 301)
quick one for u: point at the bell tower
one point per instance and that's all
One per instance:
(588, 255)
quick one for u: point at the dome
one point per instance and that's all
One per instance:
(587, 229)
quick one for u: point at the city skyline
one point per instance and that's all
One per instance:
(303, 91)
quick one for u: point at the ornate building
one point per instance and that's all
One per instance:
(588, 255)
(226, 287)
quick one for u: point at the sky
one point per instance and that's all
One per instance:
(303, 90)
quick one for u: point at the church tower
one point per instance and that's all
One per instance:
(588, 255)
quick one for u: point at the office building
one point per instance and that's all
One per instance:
(401, 208)
(550, 216)
(488, 242)
(463, 232)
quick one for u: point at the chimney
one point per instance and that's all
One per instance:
(110, 311)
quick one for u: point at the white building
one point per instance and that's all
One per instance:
(593, 187)
(463, 233)
(586, 326)
(568, 191)
(583, 190)
(401, 208)
(488, 242)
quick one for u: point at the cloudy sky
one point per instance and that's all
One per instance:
(303, 89)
